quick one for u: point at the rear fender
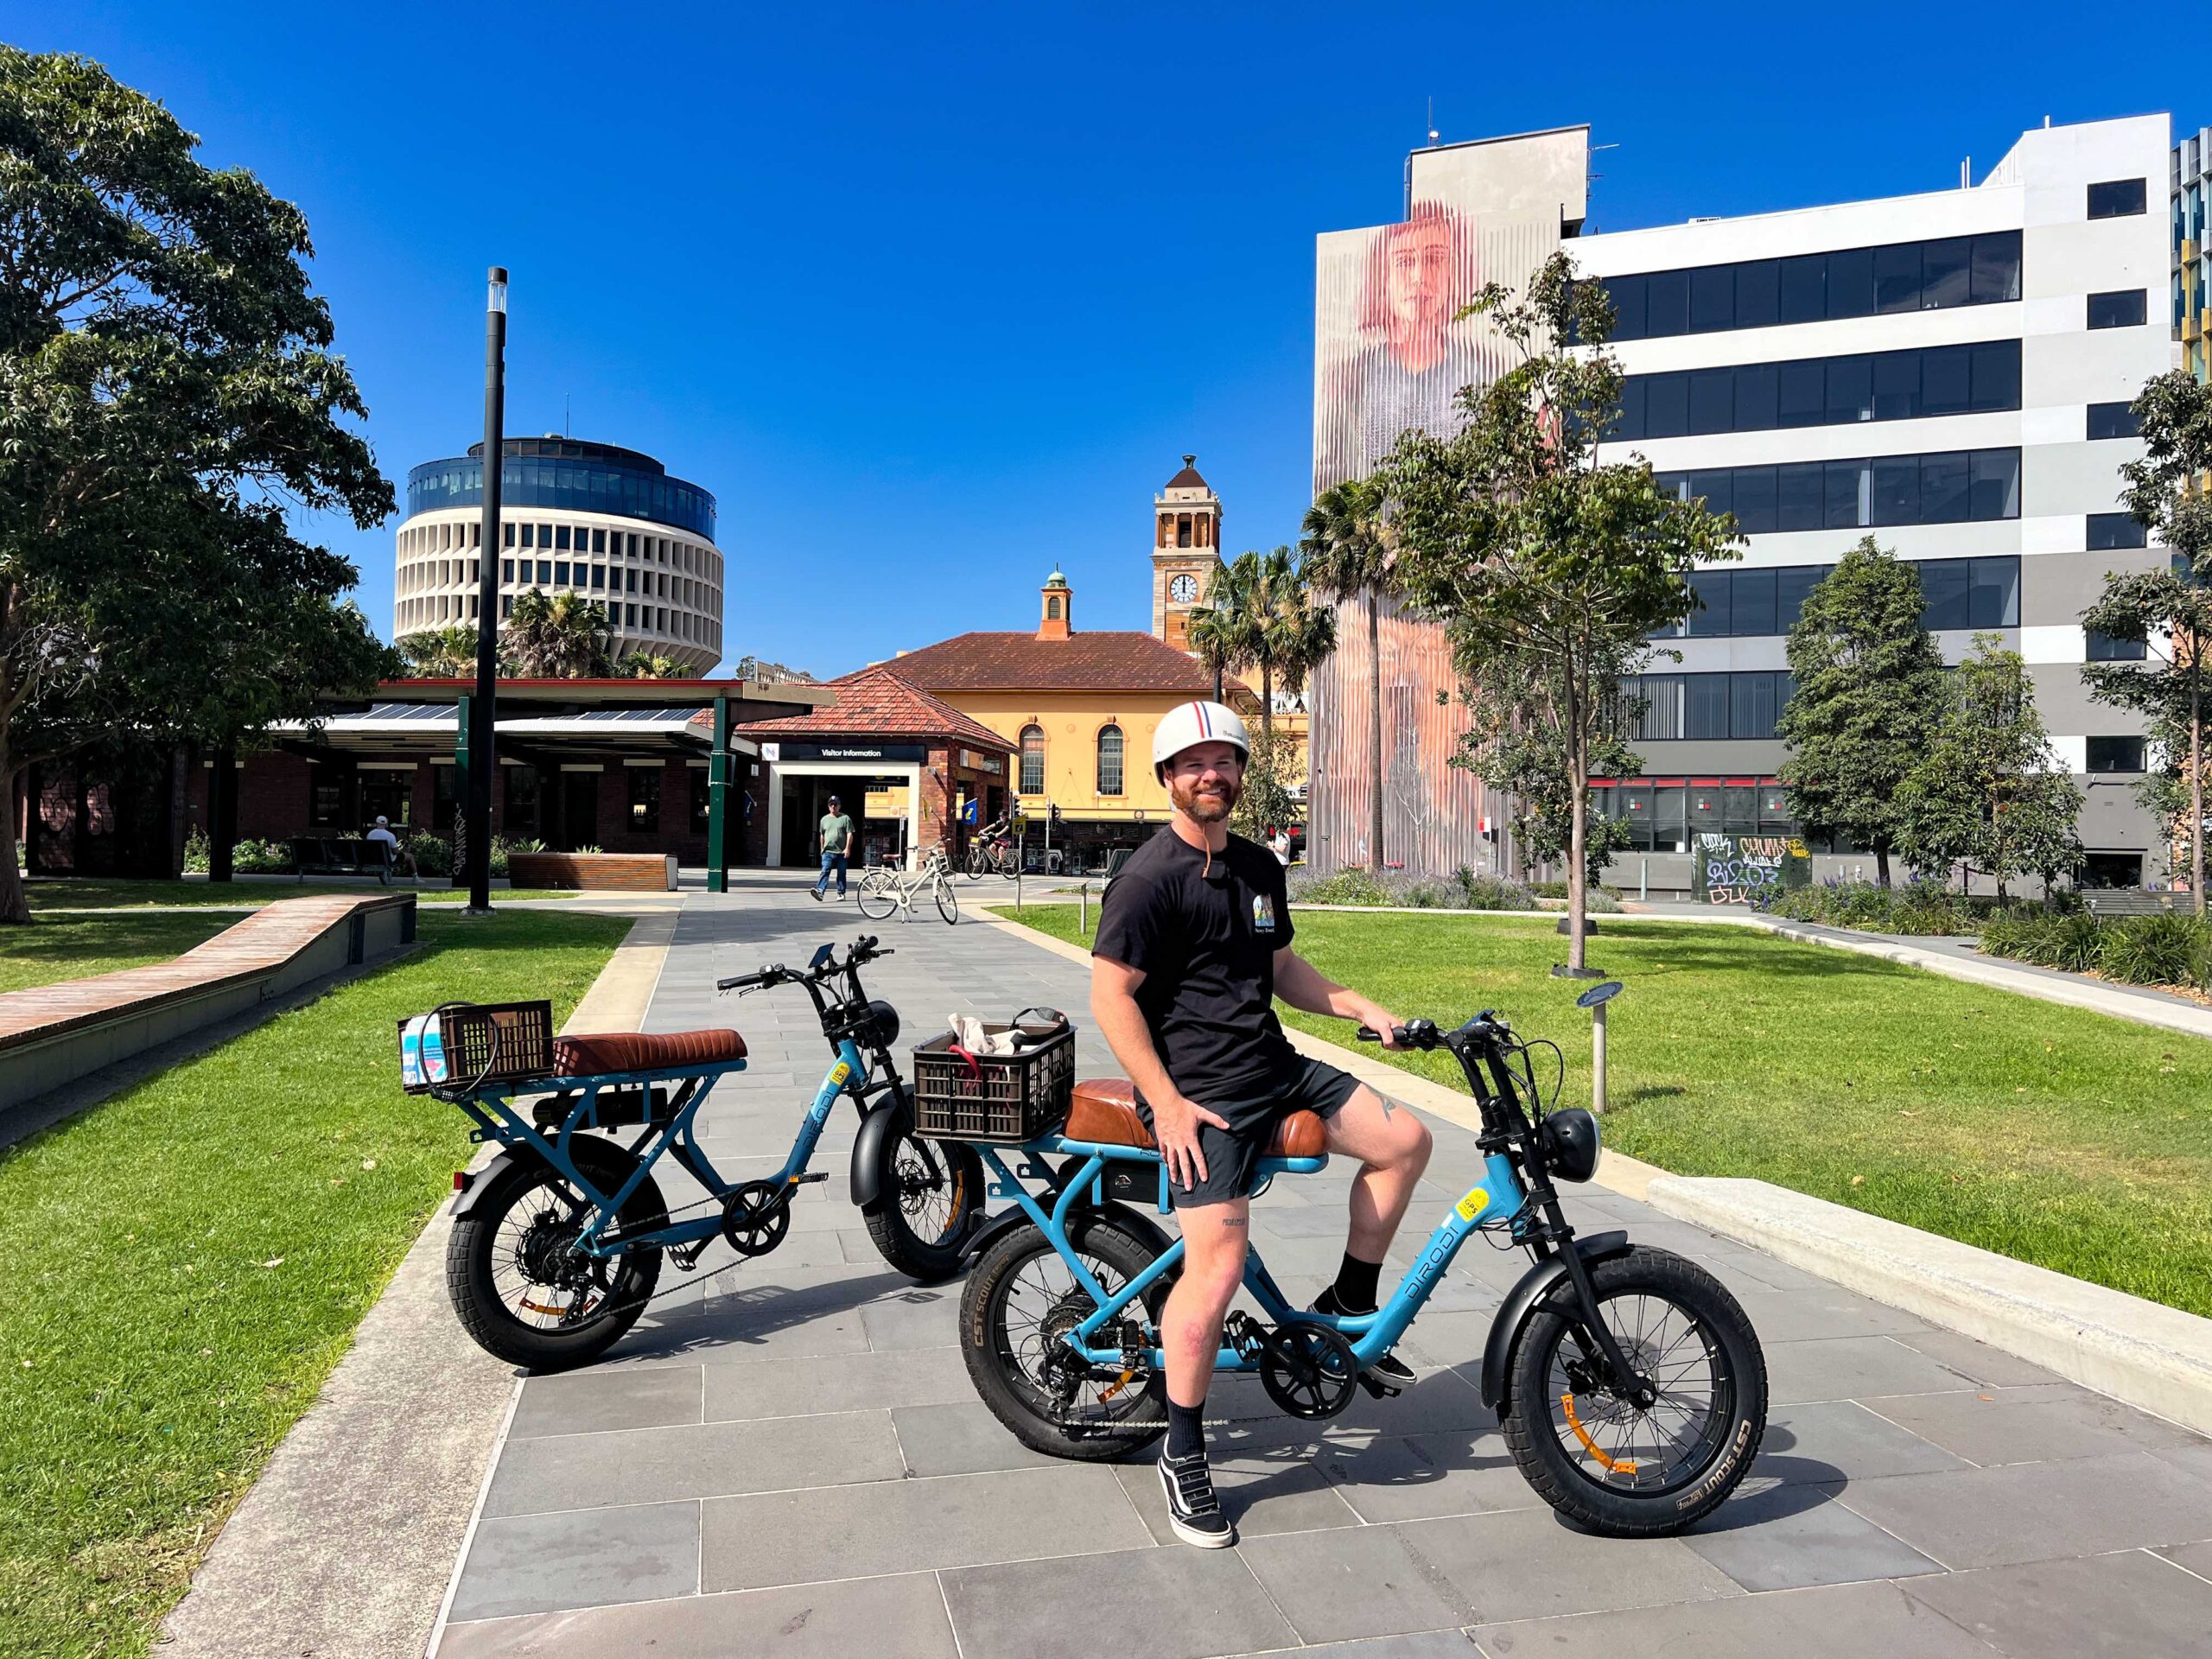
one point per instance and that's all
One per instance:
(605, 1163)
(1534, 1288)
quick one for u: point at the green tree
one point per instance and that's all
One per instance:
(1344, 555)
(446, 653)
(2172, 616)
(1266, 801)
(1547, 570)
(2164, 493)
(1869, 688)
(644, 665)
(1989, 795)
(1519, 755)
(167, 395)
(565, 636)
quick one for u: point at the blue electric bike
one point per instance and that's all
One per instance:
(1629, 1385)
(557, 1245)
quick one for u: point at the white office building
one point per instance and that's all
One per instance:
(1949, 372)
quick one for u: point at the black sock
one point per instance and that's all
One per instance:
(1356, 1285)
(1186, 1429)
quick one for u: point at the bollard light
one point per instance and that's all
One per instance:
(1595, 999)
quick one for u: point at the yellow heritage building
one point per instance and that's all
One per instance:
(1080, 707)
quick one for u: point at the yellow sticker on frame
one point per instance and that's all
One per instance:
(840, 1071)
(1474, 1204)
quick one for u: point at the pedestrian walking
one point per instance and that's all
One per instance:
(834, 843)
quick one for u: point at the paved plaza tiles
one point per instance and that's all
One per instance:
(787, 1458)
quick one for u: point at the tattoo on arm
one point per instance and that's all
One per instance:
(1387, 1108)
(1237, 1222)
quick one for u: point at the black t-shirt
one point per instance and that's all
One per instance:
(1206, 947)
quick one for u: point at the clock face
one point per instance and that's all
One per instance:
(1183, 589)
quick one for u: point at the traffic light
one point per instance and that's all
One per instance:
(1052, 814)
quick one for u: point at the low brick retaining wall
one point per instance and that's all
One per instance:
(53, 1034)
(615, 872)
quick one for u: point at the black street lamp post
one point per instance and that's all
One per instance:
(483, 712)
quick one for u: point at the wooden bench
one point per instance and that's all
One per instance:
(337, 856)
(614, 872)
(51, 1034)
(2104, 902)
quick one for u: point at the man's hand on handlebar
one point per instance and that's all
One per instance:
(1175, 1128)
(1377, 1024)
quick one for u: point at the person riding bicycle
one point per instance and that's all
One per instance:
(1193, 945)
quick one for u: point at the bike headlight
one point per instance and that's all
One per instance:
(882, 1022)
(1569, 1141)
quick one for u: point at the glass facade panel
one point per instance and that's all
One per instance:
(1994, 597)
(1802, 393)
(1817, 391)
(2118, 198)
(1713, 617)
(1751, 601)
(1758, 294)
(1713, 298)
(1850, 389)
(2122, 309)
(1944, 493)
(1945, 273)
(1670, 833)
(1793, 584)
(1996, 268)
(1705, 705)
(1851, 283)
(1797, 495)
(2115, 755)
(1945, 591)
(1804, 289)
(1755, 499)
(2103, 648)
(1897, 277)
(1751, 705)
(2113, 421)
(1713, 400)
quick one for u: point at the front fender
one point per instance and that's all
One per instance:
(877, 1128)
(1535, 1287)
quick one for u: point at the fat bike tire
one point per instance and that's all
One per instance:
(992, 1347)
(928, 1195)
(1559, 1454)
(495, 1269)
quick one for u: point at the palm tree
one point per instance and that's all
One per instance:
(1220, 629)
(564, 638)
(644, 665)
(441, 653)
(1289, 634)
(1345, 555)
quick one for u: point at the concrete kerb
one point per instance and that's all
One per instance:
(2155, 1358)
(349, 1540)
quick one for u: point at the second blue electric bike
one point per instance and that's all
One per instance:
(1629, 1385)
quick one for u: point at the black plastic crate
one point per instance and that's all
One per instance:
(1002, 1099)
(494, 1042)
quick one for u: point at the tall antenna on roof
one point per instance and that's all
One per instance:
(1432, 119)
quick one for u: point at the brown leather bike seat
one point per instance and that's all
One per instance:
(1105, 1112)
(637, 1051)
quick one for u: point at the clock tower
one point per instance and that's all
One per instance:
(1185, 552)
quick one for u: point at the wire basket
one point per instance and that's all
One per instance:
(1000, 1099)
(488, 1042)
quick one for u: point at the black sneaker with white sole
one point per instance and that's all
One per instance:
(1193, 1509)
(1389, 1371)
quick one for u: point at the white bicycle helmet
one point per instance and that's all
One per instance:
(1188, 724)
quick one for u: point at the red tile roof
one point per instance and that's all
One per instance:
(1109, 661)
(881, 701)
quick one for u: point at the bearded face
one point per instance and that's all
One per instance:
(1205, 782)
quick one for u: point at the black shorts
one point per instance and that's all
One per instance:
(1305, 1085)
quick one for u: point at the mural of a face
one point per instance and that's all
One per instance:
(1419, 265)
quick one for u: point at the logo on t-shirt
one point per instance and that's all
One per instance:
(1264, 912)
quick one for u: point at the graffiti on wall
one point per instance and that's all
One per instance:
(1736, 869)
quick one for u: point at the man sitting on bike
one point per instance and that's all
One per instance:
(1193, 945)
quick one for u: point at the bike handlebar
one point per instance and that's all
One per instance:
(862, 950)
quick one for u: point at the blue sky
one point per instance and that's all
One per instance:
(933, 297)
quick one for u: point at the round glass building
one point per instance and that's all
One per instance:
(606, 523)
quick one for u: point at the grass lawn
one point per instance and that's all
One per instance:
(94, 894)
(74, 947)
(2052, 1135)
(186, 1262)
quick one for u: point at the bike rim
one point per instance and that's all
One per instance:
(538, 1281)
(1619, 1446)
(1030, 1307)
(932, 1200)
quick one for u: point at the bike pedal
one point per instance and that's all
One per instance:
(1381, 1390)
(809, 1178)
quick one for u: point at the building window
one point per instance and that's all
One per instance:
(530, 534)
(506, 535)
(2113, 421)
(1741, 705)
(598, 541)
(546, 573)
(506, 605)
(1052, 608)
(1033, 760)
(645, 799)
(522, 800)
(1821, 391)
(2117, 198)
(1953, 488)
(2111, 530)
(326, 802)
(560, 573)
(1813, 287)
(1109, 760)
(2115, 755)
(506, 570)
(599, 576)
(2104, 648)
(2124, 308)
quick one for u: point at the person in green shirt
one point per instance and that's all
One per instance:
(835, 841)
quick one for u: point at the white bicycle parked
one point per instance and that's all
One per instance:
(884, 890)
